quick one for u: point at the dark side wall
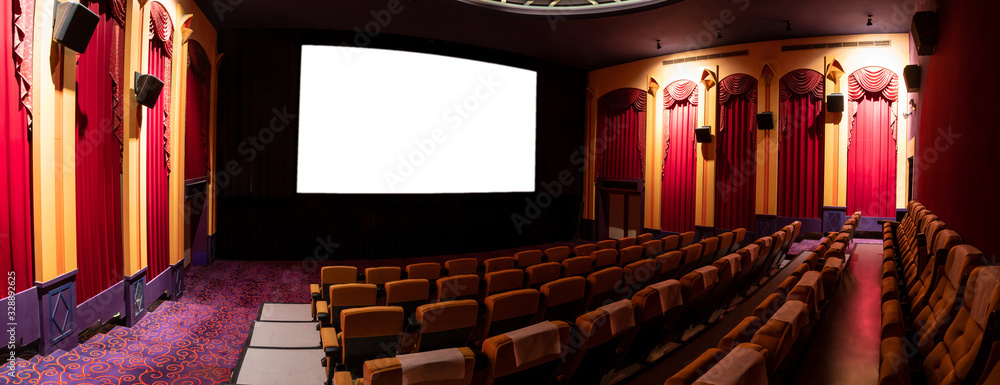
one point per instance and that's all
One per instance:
(260, 216)
(956, 149)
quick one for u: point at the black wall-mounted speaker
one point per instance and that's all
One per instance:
(74, 26)
(765, 121)
(924, 30)
(703, 134)
(835, 103)
(911, 74)
(147, 89)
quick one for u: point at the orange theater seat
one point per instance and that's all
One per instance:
(458, 287)
(369, 333)
(527, 258)
(584, 250)
(452, 367)
(628, 255)
(601, 335)
(686, 239)
(561, 299)
(331, 275)
(504, 280)
(626, 242)
(407, 294)
(643, 238)
(670, 265)
(342, 297)
(529, 355)
(577, 267)
(651, 249)
(604, 258)
(557, 254)
(499, 263)
(540, 274)
(607, 244)
(671, 243)
(430, 271)
(444, 324)
(509, 311)
(461, 266)
(657, 308)
(603, 287)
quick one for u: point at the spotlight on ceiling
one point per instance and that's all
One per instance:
(720, 33)
(658, 44)
(869, 20)
(788, 25)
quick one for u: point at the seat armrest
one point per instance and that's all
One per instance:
(323, 312)
(315, 291)
(342, 378)
(329, 338)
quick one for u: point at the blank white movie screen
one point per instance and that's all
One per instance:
(378, 121)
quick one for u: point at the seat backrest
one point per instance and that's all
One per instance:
(539, 357)
(686, 239)
(499, 263)
(577, 266)
(812, 259)
(710, 246)
(670, 264)
(446, 324)
(607, 244)
(509, 311)
(690, 373)
(584, 250)
(738, 236)
(562, 298)
(626, 242)
(961, 342)
(698, 282)
(383, 274)
(743, 332)
(557, 254)
(764, 245)
(749, 255)
(450, 364)
(651, 249)
(600, 333)
(335, 275)
(528, 258)
(604, 258)
(769, 306)
(801, 270)
(638, 275)
(603, 287)
(430, 271)
(461, 266)
(458, 287)
(657, 299)
(786, 286)
(777, 337)
(542, 273)
(671, 243)
(503, 280)
(725, 244)
(408, 294)
(643, 238)
(353, 295)
(728, 267)
(369, 333)
(629, 254)
(692, 253)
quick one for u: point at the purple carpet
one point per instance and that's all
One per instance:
(195, 340)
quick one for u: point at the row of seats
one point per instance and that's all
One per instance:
(754, 350)
(452, 322)
(940, 301)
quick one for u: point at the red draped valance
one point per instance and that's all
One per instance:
(118, 11)
(198, 60)
(24, 16)
(873, 79)
(622, 99)
(678, 91)
(801, 81)
(738, 85)
(160, 26)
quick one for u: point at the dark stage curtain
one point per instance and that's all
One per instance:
(98, 158)
(871, 150)
(199, 74)
(680, 114)
(800, 155)
(736, 163)
(15, 169)
(158, 143)
(621, 115)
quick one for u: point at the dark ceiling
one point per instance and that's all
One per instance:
(589, 43)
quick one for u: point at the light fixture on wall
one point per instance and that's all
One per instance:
(869, 20)
(913, 106)
(788, 25)
(720, 33)
(658, 44)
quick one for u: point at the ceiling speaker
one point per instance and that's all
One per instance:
(765, 121)
(924, 30)
(147, 89)
(74, 26)
(703, 134)
(835, 103)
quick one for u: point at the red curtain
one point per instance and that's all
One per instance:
(15, 169)
(871, 150)
(621, 115)
(800, 155)
(199, 73)
(736, 150)
(680, 114)
(98, 158)
(158, 142)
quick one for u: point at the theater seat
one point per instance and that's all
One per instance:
(696, 288)
(499, 263)
(768, 306)
(607, 244)
(458, 287)
(743, 332)
(461, 266)
(671, 243)
(604, 258)
(786, 286)
(725, 244)
(557, 254)
(729, 268)
(504, 280)
(651, 249)
(451, 367)
(584, 250)
(626, 242)
(738, 236)
(690, 373)
(561, 299)
(407, 294)
(643, 238)
(378, 276)
(331, 275)
(686, 239)
(509, 311)
(577, 267)
(657, 308)
(781, 331)
(670, 265)
(539, 274)
(444, 324)
(943, 303)
(527, 258)
(527, 356)
(430, 271)
(637, 275)
(691, 255)
(342, 297)
(628, 255)
(600, 335)
(710, 248)
(918, 290)
(369, 333)
(749, 256)
(603, 287)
